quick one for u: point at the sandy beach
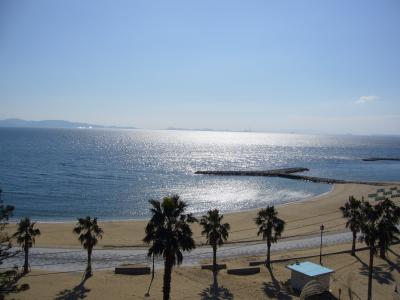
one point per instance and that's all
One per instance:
(303, 218)
(193, 283)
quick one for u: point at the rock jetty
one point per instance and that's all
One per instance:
(381, 158)
(268, 173)
(288, 173)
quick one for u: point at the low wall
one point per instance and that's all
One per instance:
(210, 267)
(132, 270)
(244, 271)
(256, 263)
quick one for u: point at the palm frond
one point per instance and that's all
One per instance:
(88, 231)
(270, 226)
(168, 231)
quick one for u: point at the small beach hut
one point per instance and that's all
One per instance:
(304, 272)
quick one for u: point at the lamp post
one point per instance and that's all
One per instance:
(320, 247)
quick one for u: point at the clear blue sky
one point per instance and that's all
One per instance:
(325, 66)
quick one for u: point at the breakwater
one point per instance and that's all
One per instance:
(381, 158)
(288, 173)
(274, 172)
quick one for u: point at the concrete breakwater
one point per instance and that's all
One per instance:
(288, 173)
(274, 172)
(329, 180)
(381, 158)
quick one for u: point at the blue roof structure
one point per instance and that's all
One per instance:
(309, 269)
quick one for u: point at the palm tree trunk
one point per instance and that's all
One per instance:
(370, 269)
(382, 251)
(353, 246)
(268, 254)
(152, 278)
(89, 263)
(167, 277)
(26, 263)
(215, 267)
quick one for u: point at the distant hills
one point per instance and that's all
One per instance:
(53, 124)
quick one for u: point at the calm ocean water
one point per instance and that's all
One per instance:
(56, 174)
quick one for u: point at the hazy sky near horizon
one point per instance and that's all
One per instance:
(294, 66)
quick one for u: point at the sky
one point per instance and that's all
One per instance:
(329, 66)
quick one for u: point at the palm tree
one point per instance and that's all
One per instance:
(89, 233)
(370, 235)
(216, 234)
(378, 229)
(271, 228)
(26, 233)
(387, 226)
(352, 211)
(170, 234)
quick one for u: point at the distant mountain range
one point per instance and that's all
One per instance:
(53, 124)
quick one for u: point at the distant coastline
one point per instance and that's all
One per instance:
(208, 129)
(19, 123)
(64, 124)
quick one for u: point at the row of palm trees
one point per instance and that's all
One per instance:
(377, 225)
(87, 229)
(169, 234)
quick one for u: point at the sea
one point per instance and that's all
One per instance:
(62, 174)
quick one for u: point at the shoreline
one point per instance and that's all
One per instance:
(102, 220)
(303, 218)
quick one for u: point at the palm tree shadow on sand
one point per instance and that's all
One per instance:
(9, 283)
(393, 266)
(381, 273)
(220, 293)
(78, 292)
(276, 289)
